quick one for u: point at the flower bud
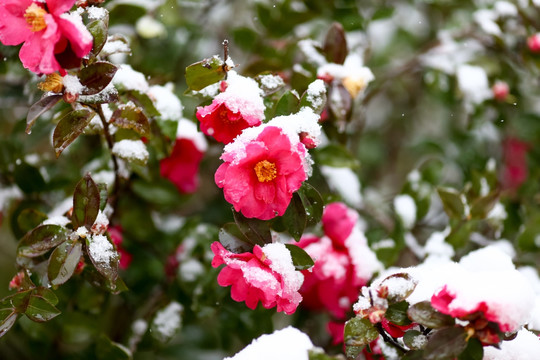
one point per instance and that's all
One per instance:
(70, 98)
(533, 42)
(500, 90)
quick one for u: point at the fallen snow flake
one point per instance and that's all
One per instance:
(105, 95)
(57, 220)
(285, 344)
(271, 82)
(128, 79)
(190, 270)
(97, 13)
(101, 250)
(505, 8)
(230, 63)
(399, 285)
(131, 150)
(72, 85)
(100, 224)
(473, 83)
(315, 94)
(167, 321)
(139, 327)
(115, 45)
(309, 48)
(166, 102)
(82, 232)
(449, 55)
(406, 209)
(526, 346)
(487, 21)
(437, 247)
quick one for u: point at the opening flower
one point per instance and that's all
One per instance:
(266, 275)
(240, 106)
(260, 175)
(53, 39)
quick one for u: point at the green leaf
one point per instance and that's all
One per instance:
(39, 309)
(95, 77)
(314, 97)
(452, 203)
(99, 31)
(41, 239)
(287, 104)
(44, 104)
(397, 313)
(335, 44)
(104, 257)
(144, 101)
(103, 195)
(7, 320)
(29, 179)
(318, 354)
(383, 13)
(69, 128)
(446, 344)
(412, 337)
(47, 294)
(132, 117)
(295, 217)
(29, 219)
(358, 333)
(301, 259)
(203, 73)
(460, 234)
(160, 192)
(19, 301)
(473, 351)
(481, 207)
(313, 203)
(336, 156)
(86, 202)
(233, 239)
(257, 231)
(424, 314)
(109, 350)
(63, 262)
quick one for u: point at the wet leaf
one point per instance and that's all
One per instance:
(99, 30)
(44, 104)
(29, 179)
(295, 217)
(397, 313)
(63, 262)
(233, 239)
(103, 195)
(104, 257)
(257, 231)
(481, 207)
(451, 199)
(424, 314)
(41, 239)
(340, 103)
(287, 104)
(95, 77)
(39, 309)
(473, 351)
(412, 337)
(69, 128)
(29, 219)
(336, 156)
(107, 349)
(446, 344)
(401, 281)
(131, 117)
(86, 203)
(301, 259)
(144, 101)
(358, 333)
(313, 203)
(203, 73)
(7, 320)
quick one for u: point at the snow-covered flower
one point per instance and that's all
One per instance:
(266, 275)
(259, 175)
(53, 39)
(354, 76)
(526, 346)
(182, 166)
(117, 238)
(343, 262)
(240, 106)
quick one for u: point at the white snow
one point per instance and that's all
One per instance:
(128, 79)
(406, 209)
(473, 84)
(345, 182)
(7, 194)
(168, 320)
(166, 102)
(83, 34)
(526, 346)
(115, 45)
(148, 27)
(188, 130)
(82, 232)
(271, 82)
(486, 19)
(56, 220)
(131, 150)
(308, 47)
(286, 344)
(450, 54)
(363, 258)
(96, 13)
(190, 270)
(281, 262)
(315, 93)
(72, 84)
(101, 250)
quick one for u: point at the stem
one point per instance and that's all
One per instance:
(389, 339)
(110, 144)
(225, 44)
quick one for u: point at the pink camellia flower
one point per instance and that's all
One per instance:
(533, 42)
(515, 169)
(266, 275)
(117, 239)
(182, 166)
(260, 174)
(500, 90)
(53, 39)
(240, 106)
(343, 262)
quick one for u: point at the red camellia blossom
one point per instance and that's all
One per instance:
(533, 42)
(515, 169)
(343, 262)
(117, 239)
(240, 106)
(266, 275)
(259, 176)
(500, 90)
(53, 39)
(182, 166)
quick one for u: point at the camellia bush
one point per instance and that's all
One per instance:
(291, 179)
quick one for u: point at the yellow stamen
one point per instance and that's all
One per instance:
(53, 83)
(35, 17)
(354, 85)
(265, 171)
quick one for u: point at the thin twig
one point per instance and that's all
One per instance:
(389, 339)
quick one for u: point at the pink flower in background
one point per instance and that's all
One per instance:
(182, 166)
(266, 275)
(343, 262)
(240, 106)
(53, 39)
(117, 239)
(260, 175)
(515, 169)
